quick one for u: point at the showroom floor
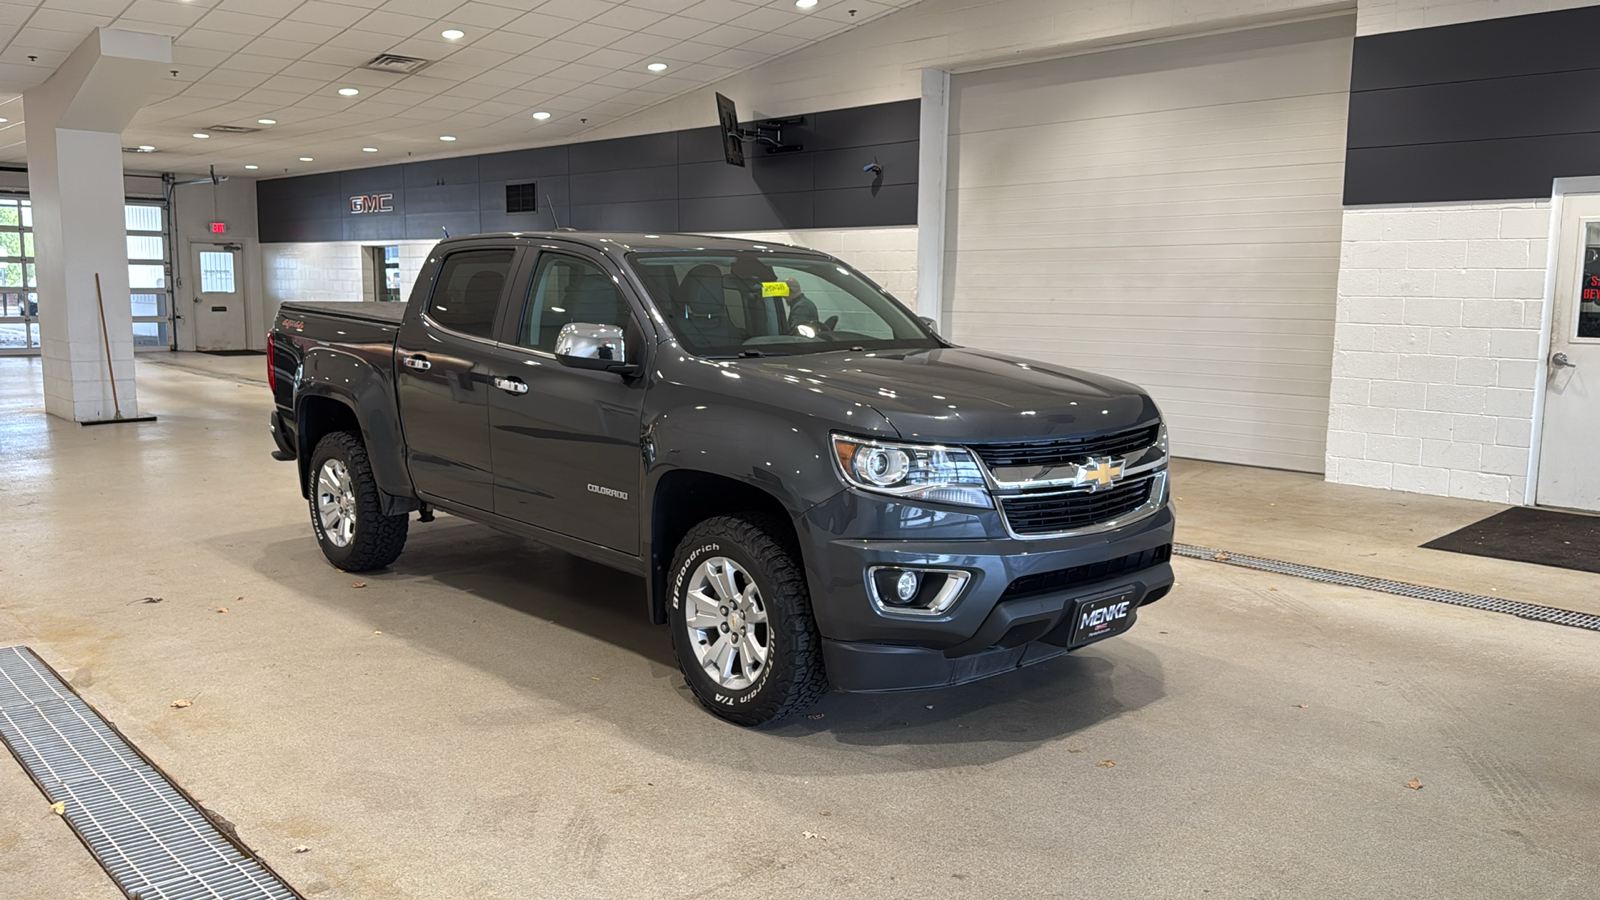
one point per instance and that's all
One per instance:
(490, 719)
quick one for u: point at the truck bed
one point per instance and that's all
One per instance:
(368, 311)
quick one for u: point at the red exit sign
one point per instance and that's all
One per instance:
(219, 227)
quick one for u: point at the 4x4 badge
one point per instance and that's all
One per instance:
(1098, 473)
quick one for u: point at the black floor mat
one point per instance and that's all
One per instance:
(234, 352)
(1526, 534)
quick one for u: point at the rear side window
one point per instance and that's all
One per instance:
(466, 295)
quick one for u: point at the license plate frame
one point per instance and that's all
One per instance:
(1087, 628)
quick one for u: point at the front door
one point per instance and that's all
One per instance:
(442, 370)
(218, 297)
(1568, 474)
(566, 441)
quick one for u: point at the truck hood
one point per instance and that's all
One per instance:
(963, 396)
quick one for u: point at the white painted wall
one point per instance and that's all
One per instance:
(1437, 348)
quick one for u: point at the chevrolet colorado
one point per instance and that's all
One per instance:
(818, 490)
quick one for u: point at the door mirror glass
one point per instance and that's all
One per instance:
(586, 345)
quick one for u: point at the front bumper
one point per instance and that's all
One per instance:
(1016, 609)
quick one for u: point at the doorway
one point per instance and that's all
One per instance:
(382, 276)
(219, 321)
(1568, 477)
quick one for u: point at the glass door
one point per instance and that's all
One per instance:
(19, 296)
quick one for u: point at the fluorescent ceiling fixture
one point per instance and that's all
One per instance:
(348, 92)
(143, 148)
(447, 137)
(305, 159)
(452, 34)
(541, 115)
(805, 4)
(657, 67)
(266, 121)
(201, 134)
(369, 149)
(252, 167)
(5, 120)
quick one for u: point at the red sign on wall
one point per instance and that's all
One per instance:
(219, 228)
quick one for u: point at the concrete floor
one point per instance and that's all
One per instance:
(490, 719)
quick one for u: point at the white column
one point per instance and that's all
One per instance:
(75, 122)
(932, 175)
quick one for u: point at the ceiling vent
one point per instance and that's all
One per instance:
(233, 129)
(396, 64)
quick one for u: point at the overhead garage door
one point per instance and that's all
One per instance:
(1168, 214)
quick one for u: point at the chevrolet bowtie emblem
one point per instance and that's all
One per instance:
(1099, 473)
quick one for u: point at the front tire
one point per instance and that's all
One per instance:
(741, 621)
(347, 510)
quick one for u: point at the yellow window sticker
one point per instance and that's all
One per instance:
(774, 289)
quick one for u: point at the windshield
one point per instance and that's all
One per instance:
(748, 303)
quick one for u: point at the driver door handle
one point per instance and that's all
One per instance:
(1559, 360)
(420, 363)
(510, 385)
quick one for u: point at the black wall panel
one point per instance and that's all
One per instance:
(1491, 110)
(675, 181)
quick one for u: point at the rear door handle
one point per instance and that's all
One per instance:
(510, 385)
(420, 363)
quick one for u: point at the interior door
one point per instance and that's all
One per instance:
(566, 441)
(442, 370)
(1568, 476)
(218, 283)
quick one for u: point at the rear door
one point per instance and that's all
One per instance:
(566, 442)
(441, 360)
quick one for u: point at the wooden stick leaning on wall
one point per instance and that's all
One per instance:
(111, 373)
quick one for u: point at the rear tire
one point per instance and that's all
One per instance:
(347, 510)
(741, 620)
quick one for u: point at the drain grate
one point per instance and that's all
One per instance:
(153, 841)
(1518, 608)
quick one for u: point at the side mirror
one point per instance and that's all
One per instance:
(928, 321)
(584, 345)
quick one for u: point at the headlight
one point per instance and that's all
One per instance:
(914, 471)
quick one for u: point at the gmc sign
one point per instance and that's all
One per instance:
(372, 203)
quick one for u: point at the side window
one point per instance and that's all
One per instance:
(466, 294)
(567, 289)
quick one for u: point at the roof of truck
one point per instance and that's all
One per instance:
(638, 241)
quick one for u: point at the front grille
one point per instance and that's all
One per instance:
(1066, 579)
(1049, 513)
(1065, 451)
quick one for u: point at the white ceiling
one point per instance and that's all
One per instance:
(242, 60)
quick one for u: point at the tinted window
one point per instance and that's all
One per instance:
(732, 303)
(565, 290)
(466, 294)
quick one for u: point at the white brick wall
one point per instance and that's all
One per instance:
(1436, 348)
(1378, 16)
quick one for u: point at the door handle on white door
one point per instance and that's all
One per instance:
(420, 363)
(1559, 360)
(510, 385)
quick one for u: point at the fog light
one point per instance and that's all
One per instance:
(906, 587)
(915, 592)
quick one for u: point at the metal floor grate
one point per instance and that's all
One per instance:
(1532, 611)
(153, 841)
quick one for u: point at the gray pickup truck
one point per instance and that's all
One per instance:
(817, 488)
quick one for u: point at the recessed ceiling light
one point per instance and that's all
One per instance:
(452, 34)
(369, 149)
(266, 121)
(146, 148)
(657, 67)
(541, 115)
(201, 134)
(348, 92)
(805, 4)
(447, 137)
(252, 167)
(305, 159)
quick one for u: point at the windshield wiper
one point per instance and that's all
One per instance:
(749, 353)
